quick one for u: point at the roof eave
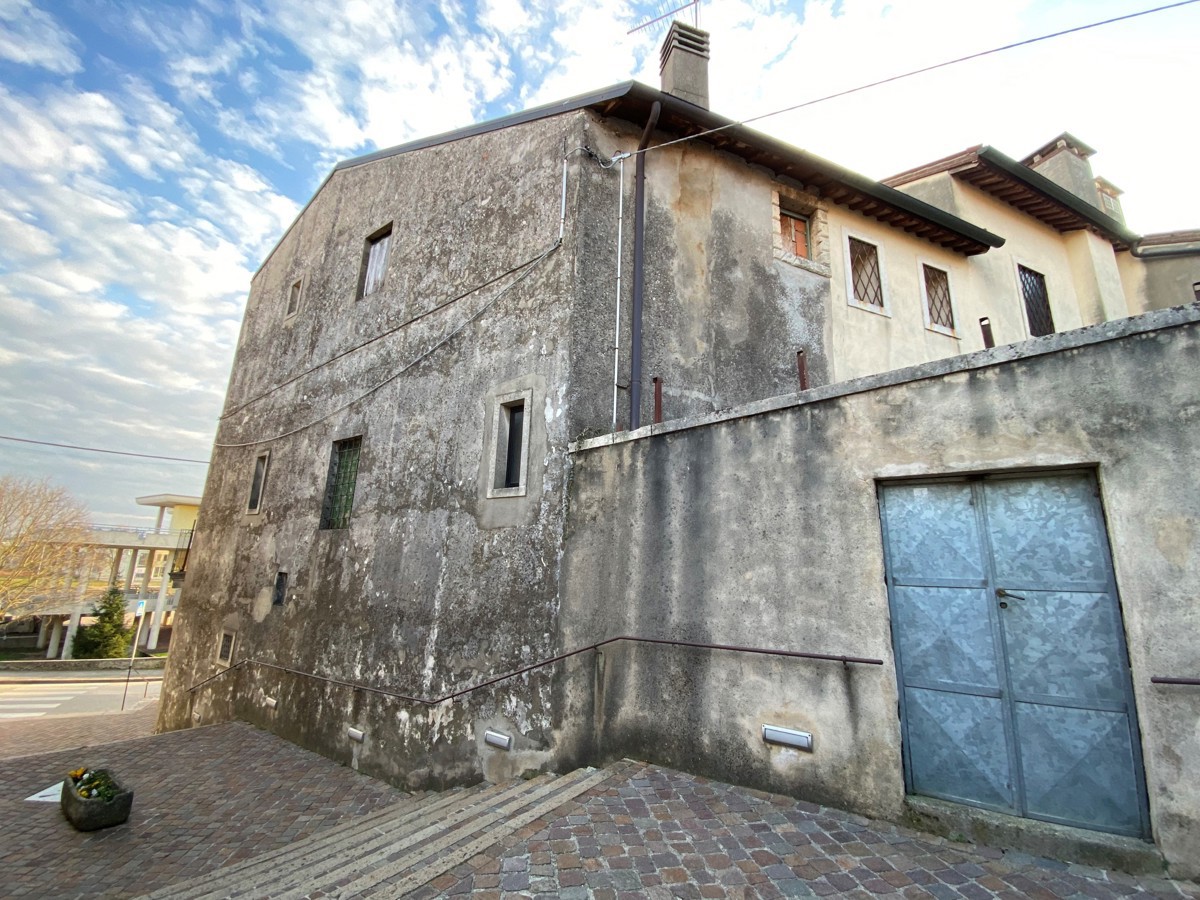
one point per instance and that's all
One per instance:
(1096, 220)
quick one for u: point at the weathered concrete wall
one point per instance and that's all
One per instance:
(1158, 283)
(723, 319)
(761, 527)
(433, 585)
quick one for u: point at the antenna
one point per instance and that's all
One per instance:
(668, 9)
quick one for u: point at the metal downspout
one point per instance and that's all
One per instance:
(617, 327)
(639, 239)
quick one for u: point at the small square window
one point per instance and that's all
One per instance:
(510, 443)
(293, 305)
(225, 647)
(796, 231)
(339, 486)
(374, 265)
(865, 282)
(935, 286)
(1037, 301)
(258, 483)
(279, 596)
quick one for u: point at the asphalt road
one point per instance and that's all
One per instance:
(34, 699)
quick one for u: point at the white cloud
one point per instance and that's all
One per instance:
(32, 37)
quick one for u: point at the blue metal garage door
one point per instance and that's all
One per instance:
(1014, 679)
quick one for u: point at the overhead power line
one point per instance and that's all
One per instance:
(941, 65)
(6, 437)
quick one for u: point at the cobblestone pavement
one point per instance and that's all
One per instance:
(24, 737)
(656, 833)
(202, 799)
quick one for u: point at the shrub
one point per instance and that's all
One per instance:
(108, 638)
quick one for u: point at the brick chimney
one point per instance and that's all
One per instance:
(684, 64)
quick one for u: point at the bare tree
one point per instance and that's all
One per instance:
(39, 524)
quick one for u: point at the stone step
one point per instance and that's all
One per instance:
(275, 876)
(212, 883)
(448, 855)
(394, 850)
(380, 859)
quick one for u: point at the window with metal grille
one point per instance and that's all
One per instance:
(375, 257)
(1037, 301)
(339, 488)
(866, 277)
(280, 594)
(294, 298)
(225, 647)
(795, 231)
(258, 483)
(937, 298)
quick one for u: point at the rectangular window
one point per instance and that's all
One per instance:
(375, 257)
(795, 231)
(225, 647)
(935, 285)
(1037, 301)
(258, 483)
(280, 594)
(293, 305)
(510, 443)
(866, 274)
(515, 412)
(339, 487)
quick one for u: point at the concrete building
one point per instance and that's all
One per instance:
(147, 563)
(863, 559)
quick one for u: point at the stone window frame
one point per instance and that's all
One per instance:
(224, 653)
(789, 200)
(885, 310)
(258, 483)
(380, 236)
(498, 440)
(931, 325)
(295, 293)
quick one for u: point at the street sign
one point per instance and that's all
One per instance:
(141, 607)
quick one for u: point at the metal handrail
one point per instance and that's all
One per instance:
(1159, 679)
(762, 651)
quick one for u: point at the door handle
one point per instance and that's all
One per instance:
(1001, 592)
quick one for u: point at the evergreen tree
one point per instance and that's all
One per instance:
(108, 638)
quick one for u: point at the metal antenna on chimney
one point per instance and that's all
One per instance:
(666, 11)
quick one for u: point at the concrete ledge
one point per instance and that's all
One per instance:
(1118, 329)
(53, 666)
(1061, 842)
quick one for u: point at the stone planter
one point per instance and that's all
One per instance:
(92, 813)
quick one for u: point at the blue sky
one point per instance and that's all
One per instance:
(151, 153)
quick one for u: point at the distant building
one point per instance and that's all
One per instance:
(136, 557)
(945, 571)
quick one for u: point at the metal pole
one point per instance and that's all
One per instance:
(133, 652)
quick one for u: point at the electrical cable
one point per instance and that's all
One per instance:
(380, 336)
(530, 267)
(5, 437)
(941, 65)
